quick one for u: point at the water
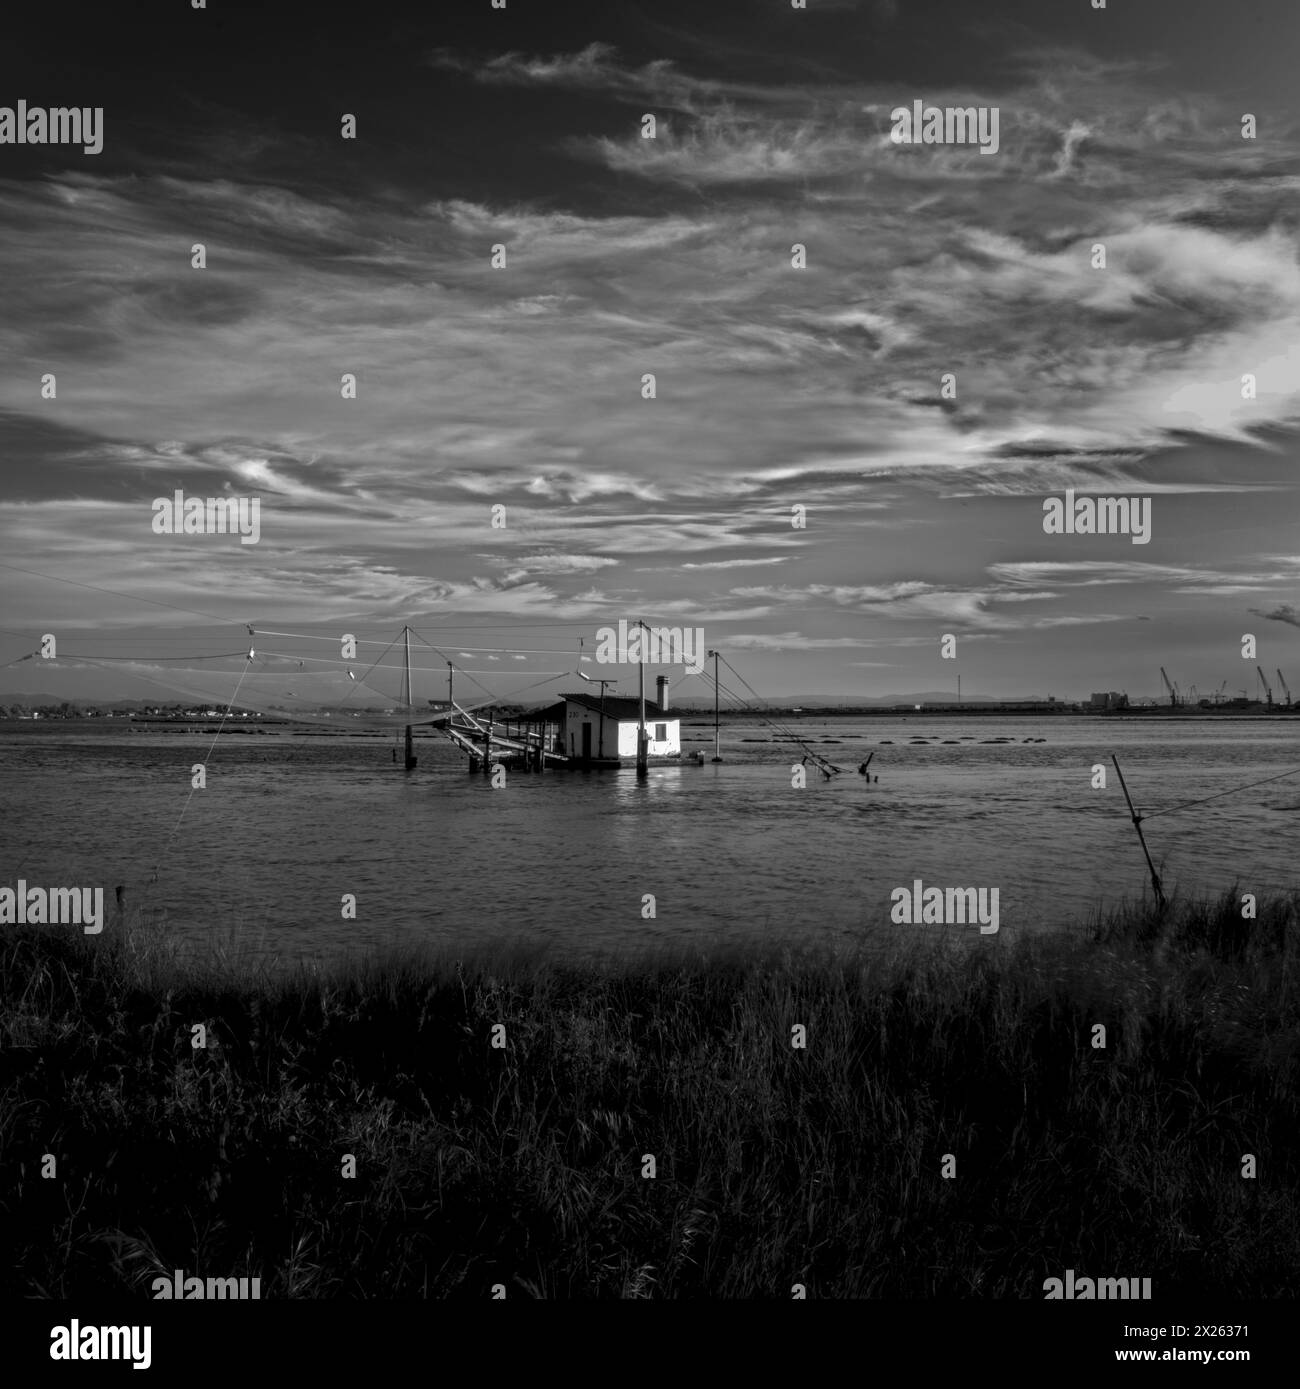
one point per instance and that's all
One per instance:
(290, 822)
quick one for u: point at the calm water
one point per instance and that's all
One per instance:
(290, 822)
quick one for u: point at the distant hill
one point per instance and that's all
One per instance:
(852, 701)
(33, 699)
(125, 706)
(166, 701)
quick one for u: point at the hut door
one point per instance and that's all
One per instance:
(586, 742)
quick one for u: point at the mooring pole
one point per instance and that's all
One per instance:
(642, 752)
(717, 754)
(1137, 825)
(410, 747)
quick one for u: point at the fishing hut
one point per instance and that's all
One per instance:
(601, 730)
(579, 730)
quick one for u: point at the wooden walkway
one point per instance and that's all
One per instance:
(485, 747)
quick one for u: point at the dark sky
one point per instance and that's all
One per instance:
(776, 387)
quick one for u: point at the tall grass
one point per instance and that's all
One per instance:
(774, 1165)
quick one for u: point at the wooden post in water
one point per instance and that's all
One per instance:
(1137, 825)
(642, 749)
(717, 755)
(410, 747)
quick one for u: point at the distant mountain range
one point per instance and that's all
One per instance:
(34, 700)
(854, 701)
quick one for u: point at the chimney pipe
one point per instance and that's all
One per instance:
(661, 691)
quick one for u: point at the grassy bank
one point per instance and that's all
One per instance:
(775, 1165)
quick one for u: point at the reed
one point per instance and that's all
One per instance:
(775, 1166)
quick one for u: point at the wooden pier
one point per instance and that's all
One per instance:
(523, 748)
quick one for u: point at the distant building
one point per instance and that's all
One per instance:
(1111, 699)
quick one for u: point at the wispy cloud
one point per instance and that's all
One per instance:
(1284, 612)
(522, 387)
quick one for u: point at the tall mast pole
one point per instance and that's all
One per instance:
(591, 679)
(642, 752)
(717, 753)
(410, 747)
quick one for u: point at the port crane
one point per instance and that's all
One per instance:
(1268, 691)
(1286, 689)
(1171, 687)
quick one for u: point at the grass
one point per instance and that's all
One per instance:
(774, 1165)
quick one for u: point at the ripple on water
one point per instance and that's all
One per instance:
(731, 849)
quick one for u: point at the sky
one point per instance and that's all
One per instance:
(776, 387)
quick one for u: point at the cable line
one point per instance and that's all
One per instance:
(1169, 810)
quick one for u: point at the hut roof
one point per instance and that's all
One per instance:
(620, 708)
